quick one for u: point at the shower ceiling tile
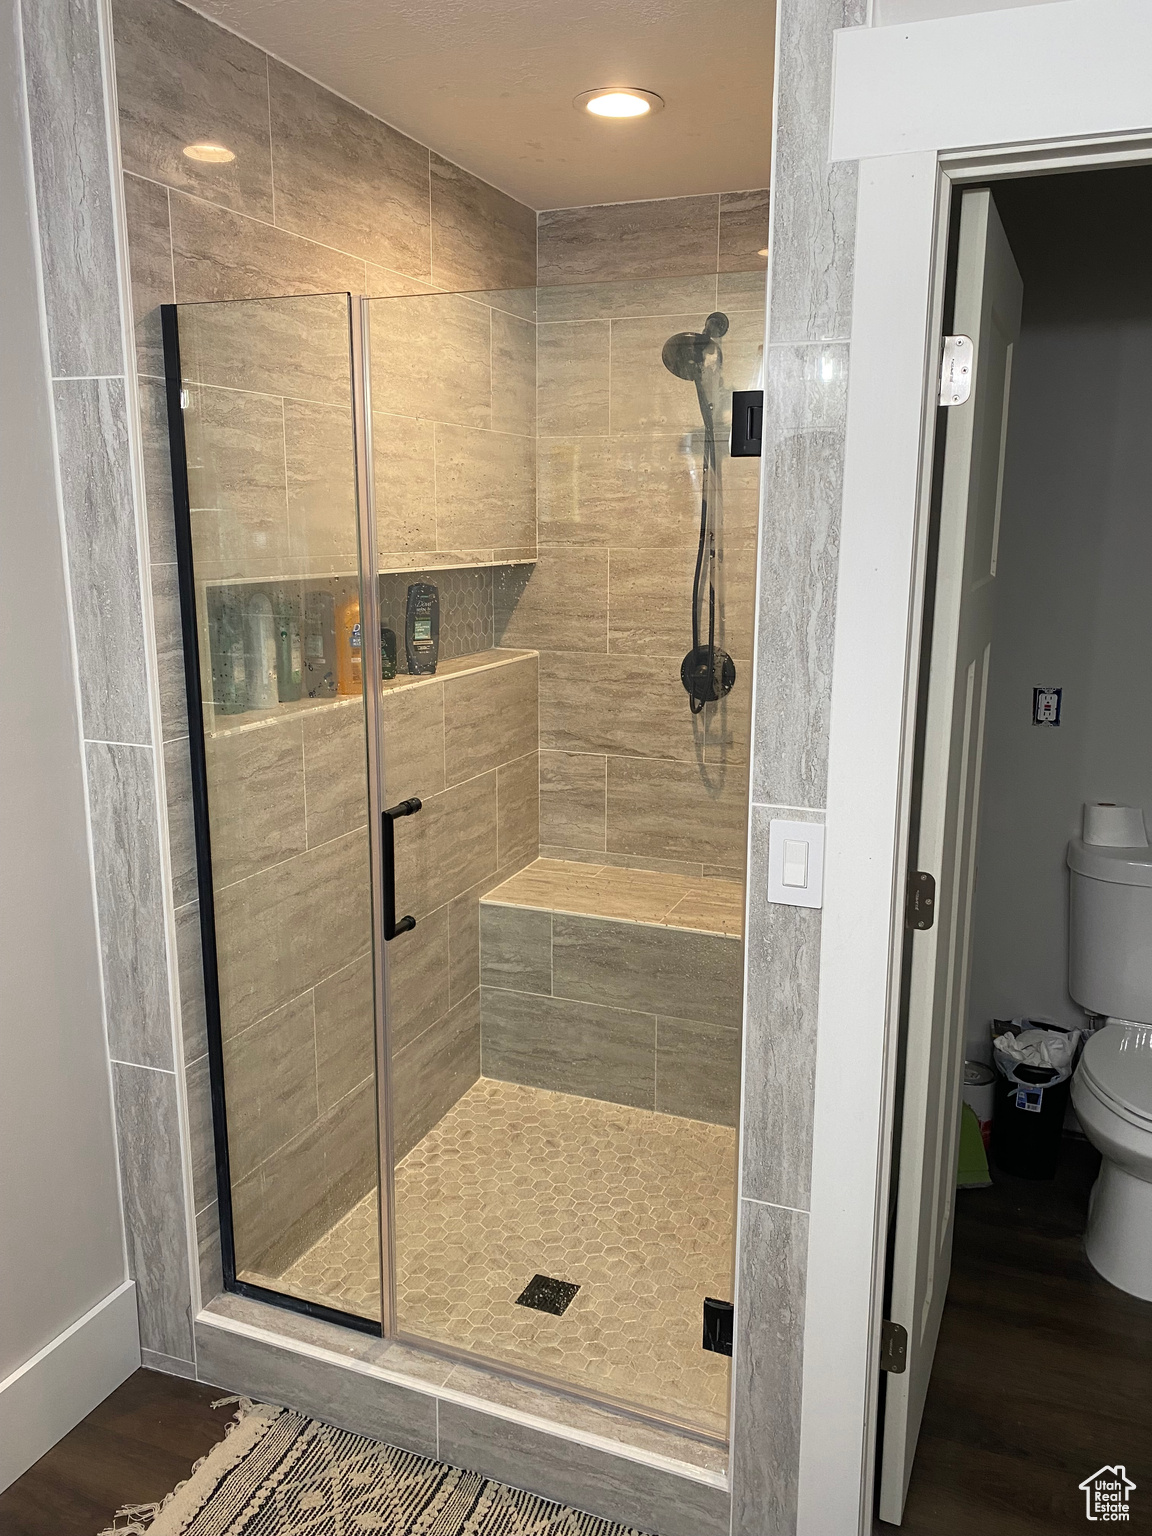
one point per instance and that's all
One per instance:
(481, 237)
(346, 179)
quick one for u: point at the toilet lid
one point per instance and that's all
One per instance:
(1117, 1062)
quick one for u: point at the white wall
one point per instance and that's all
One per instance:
(887, 13)
(61, 1235)
(1073, 608)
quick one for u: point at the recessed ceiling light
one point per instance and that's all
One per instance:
(213, 154)
(619, 101)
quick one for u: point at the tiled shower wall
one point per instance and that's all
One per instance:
(627, 774)
(352, 205)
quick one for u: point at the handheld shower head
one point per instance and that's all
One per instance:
(688, 353)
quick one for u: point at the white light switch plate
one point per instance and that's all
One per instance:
(796, 863)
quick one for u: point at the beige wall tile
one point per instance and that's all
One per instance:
(572, 800)
(615, 704)
(217, 254)
(432, 357)
(448, 848)
(647, 398)
(285, 929)
(346, 178)
(404, 459)
(637, 965)
(157, 471)
(590, 489)
(485, 489)
(418, 978)
(255, 799)
(270, 1082)
(290, 346)
(150, 261)
(742, 291)
(335, 772)
(490, 717)
(677, 810)
(320, 465)
(434, 1071)
(481, 237)
(345, 1032)
(558, 604)
(651, 603)
(516, 948)
(513, 374)
(181, 80)
(569, 1047)
(744, 231)
(236, 482)
(464, 943)
(518, 810)
(642, 296)
(698, 1071)
(574, 376)
(413, 740)
(668, 237)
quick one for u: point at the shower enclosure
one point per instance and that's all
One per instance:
(471, 873)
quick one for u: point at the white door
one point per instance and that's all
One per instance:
(988, 297)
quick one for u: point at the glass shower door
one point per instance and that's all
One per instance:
(261, 406)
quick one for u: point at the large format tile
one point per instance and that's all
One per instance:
(183, 80)
(490, 717)
(181, 823)
(641, 966)
(590, 487)
(285, 929)
(516, 948)
(572, 800)
(190, 963)
(130, 902)
(320, 469)
(814, 232)
(481, 237)
(432, 357)
(806, 405)
(569, 1047)
(634, 705)
(485, 490)
(404, 462)
(217, 254)
(558, 604)
(615, 1487)
(414, 742)
(198, 1091)
(698, 1070)
(780, 1050)
(418, 979)
(157, 471)
(448, 848)
(744, 231)
(431, 1073)
(335, 773)
(650, 613)
(513, 374)
(345, 1032)
(100, 527)
(574, 370)
(346, 178)
(209, 1258)
(767, 1365)
(170, 674)
(297, 346)
(152, 1179)
(73, 185)
(150, 265)
(464, 942)
(270, 1081)
(236, 481)
(518, 811)
(678, 810)
(256, 799)
(646, 397)
(621, 300)
(667, 237)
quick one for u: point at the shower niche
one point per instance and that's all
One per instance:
(539, 1075)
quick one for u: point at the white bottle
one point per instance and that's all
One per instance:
(260, 649)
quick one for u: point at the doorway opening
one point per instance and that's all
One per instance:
(1036, 641)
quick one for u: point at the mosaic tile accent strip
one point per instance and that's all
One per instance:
(634, 1207)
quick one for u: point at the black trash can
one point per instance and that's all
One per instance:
(1028, 1121)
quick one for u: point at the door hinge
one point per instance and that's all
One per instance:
(920, 912)
(956, 370)
(893, 1347)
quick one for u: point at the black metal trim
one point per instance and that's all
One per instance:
(182, 516)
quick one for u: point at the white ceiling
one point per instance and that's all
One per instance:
(489, 84)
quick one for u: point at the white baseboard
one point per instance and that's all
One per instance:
(49, 1395)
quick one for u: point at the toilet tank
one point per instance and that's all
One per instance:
(1110, 930)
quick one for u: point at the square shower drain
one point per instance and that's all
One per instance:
(547, 1295)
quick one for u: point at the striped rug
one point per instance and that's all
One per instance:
(277, 1473)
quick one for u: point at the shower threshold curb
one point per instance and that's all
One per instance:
(656, 1479)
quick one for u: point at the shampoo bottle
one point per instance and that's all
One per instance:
(348, 667)
(226, 641)
(260, 651)
(319, 680)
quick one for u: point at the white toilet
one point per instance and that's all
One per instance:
(1110, 973)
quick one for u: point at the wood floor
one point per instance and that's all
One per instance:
(1043, 1374)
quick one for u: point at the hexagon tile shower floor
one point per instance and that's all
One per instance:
(632, 1206)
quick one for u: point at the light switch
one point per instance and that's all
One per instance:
(796, 863)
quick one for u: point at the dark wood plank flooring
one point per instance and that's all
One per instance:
(133, 1449)
(1043, 1371)
(1043, 1374)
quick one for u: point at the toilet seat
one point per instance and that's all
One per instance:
(1117, 1067)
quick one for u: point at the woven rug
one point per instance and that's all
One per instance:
(277, 1473)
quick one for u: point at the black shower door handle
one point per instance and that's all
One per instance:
(387, 820)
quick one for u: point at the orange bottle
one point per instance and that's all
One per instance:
(349, 671)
